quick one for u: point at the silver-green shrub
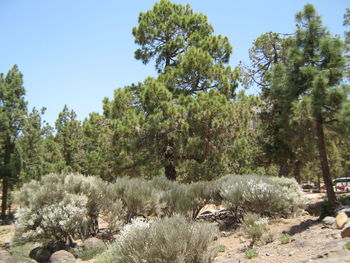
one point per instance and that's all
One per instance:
(138, 196)
(111, 208)
(58, 207)
(174, 201)
(171, 240)
(254, 226)
(260, 194)
(184, 199)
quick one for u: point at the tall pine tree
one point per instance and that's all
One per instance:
(13, 108)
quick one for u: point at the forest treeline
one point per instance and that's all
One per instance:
(191, 122)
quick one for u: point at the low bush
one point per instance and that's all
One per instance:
(187, 199)
(260, 194)
(285, 238)
(251, 253)
(221, 248)
(111, 209)
(254, 226)
(347, 246)
(168, 240)
(138, 196)
(58, 208)
(267, 238)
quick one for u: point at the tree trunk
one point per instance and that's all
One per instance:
(324, 161)
(297, 170)
(283, 168)
(169, 157)
(170, 171)
(5, 187)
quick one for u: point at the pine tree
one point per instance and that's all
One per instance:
(33, 151)
(13, 108)
(70, 138)
(187, 54)
(315, 69)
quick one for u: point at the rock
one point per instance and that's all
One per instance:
(329, 221)
(341, 220)
(346, 231)
(62, 256)
(40, 254)
(225, 234)
(344, 209)
(93, 242)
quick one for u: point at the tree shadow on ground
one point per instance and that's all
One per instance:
(305, 225)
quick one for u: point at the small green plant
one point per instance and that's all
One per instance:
(105, 257)
(269, 238)
(347, 246)
(251, 253)
(254, 226)
(285, 238)
(221, 248)
(90, 253)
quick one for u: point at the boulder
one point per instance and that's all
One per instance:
(346, 231)
(329, 221)
(344, 209)
(93, 242)
(40, 254)
(341, 220)
(62, 256)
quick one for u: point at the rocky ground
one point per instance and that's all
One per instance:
(309, 241)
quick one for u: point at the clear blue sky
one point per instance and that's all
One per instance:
(77, 52)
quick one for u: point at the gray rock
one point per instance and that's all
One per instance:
(93, 242)
(226, 234)
(328, 221)
(40, 254)
(62, 256)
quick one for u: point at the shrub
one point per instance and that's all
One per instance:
(260, 194)
(93, 188)
(285, 238)
(185, 199)
(347, 246)
(251, 253)
(175, 201)
(164, 240)
(221, 248)
(254, 226)
(200, 194)
(58, 208)
(137, 195)
(268, 238)
(111, 209)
